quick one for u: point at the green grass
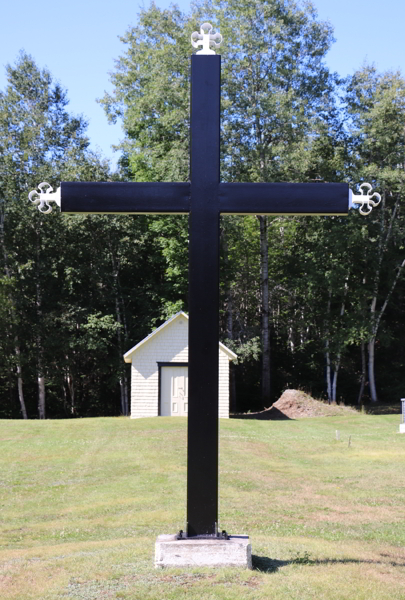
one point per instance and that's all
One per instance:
(82, 501)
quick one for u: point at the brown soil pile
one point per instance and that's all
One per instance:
(294, 404)
(297, 405)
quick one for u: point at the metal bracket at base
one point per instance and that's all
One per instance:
(215, 536)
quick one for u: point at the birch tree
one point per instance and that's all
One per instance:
(376, 105)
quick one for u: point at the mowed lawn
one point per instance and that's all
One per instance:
(82, 501)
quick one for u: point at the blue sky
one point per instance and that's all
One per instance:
(78, 42)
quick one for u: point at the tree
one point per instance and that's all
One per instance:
(38, 140)
(275, 88)
(77, 292)
(376, 106)
(151, 96)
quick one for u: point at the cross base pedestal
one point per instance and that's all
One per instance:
(191, 552)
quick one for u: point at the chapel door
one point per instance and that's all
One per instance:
(174, 392)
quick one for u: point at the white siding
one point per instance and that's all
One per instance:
(223, 385)
(170, 344)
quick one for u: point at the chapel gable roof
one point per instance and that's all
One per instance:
(128, 355)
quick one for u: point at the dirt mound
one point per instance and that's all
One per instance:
(294, 404)
(297, 405)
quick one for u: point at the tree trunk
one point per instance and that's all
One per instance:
(19, 380)
(40, 367)
(371, 373)
(71, 387)
(376, 319)
(264, 255)
(386, 228)
(121, 320)
(16, 344)
(327, 353)
(339, 354)
(40, 350)
(41, 394)
(335, 377)
(229, 323)
(123, 379)
(124, 394)
(363, 373)
(328, 374)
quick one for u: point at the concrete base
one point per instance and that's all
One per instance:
(235, 552)
(402, 428)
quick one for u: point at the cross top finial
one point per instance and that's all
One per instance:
(205, 38)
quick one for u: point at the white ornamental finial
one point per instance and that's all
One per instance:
(205, 38)
(364, 199)
(44, 196)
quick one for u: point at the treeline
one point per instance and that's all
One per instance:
(310, 302)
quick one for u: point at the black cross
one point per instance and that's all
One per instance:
(204, 198)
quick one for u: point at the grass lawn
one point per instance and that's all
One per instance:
(82, 501)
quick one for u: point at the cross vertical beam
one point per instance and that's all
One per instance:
(204, 198)
(202, 455)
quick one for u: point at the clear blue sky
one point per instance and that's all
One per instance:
(78, 42)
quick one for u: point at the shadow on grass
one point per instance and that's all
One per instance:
(264, 564)
(383, 408)
(270, 414)
(268, 565)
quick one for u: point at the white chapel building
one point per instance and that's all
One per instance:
(159, 372)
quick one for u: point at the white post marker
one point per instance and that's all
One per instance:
(402, 425)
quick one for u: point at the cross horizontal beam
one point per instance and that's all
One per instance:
(125, 197)
(284, 198)
(204, 199)
(234, 198)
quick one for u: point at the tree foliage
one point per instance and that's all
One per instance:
(327, 293)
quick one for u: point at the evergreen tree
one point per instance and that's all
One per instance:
(39, 140)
